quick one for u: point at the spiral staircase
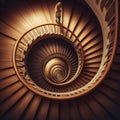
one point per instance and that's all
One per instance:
(59, 71)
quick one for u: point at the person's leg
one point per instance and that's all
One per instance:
(59, 19)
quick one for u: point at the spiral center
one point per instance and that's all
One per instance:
(56, 70)
(53, 61)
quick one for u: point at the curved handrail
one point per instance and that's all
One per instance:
(30, 38)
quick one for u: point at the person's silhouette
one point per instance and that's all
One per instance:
(58, 12)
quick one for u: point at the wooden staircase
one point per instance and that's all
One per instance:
(19, 102)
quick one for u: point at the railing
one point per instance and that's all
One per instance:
(30, 38)
(107, 15)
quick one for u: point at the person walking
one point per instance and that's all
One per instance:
(58, 12)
